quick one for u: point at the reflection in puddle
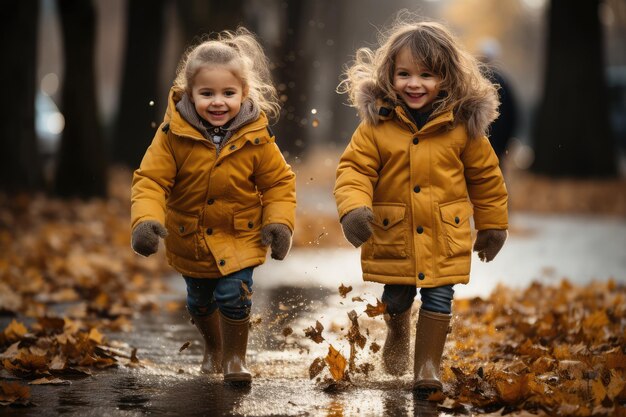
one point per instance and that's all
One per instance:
(335, 409)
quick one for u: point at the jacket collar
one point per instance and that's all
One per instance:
(442, 121)
(181, 127)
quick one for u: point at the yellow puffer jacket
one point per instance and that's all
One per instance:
(213, 205)
(423, 186)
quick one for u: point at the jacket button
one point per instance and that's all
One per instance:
(421, 276)
(257, 141)
(420, 229)
(211, 201)
(417, 189)
(385, 222)
(250, 225)
(457, 220)
(209, 231)
(222, 262)
(181, 229)
(416, 141)
(232, 147)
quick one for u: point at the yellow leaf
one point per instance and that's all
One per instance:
(96, 336)
(598, 392)
(616, 385)
(336, 363)
(513, 389)
(596, 320)
(15, 331)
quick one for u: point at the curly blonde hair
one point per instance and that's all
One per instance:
(242, 54)
(463, 86)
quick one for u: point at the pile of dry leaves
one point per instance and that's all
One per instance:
(67, 269)
(559, 350)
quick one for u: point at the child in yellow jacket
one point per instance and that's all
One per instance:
(416, 169)
(215, 186)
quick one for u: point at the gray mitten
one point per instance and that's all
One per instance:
(356, 225)
(145, 238)
(278, 236)
(488, 243)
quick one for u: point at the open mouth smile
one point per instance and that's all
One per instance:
(415, 96)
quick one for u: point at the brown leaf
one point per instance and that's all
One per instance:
(14, 393)
(354, 334)
(184, 346)
(377, 310)
(287, 331)
(343, 290)
(336, 363)
(246, 294)
(513, 388)
(316, 367)
(315, 334)
(133, 356)
(359, 299)
(374, 347)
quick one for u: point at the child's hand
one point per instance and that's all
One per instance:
(145, 238)
(356, 225)
(488, 243)
(278, 236)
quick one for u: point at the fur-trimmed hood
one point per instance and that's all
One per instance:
(475, 114)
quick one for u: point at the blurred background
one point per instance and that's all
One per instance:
(88, 79)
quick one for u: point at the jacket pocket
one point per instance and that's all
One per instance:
(248, 219)
(455, 225)
(389, 237)
(182, 233)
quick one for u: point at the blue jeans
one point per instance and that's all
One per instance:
(399, 298)
(231, 294)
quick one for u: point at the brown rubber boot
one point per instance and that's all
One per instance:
(397, 343)
(235, 343)
(430, 338)
(209, 327)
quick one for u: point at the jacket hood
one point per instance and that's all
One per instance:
(373, 107)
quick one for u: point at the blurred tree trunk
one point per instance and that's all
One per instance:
(199, 17)
(20, 165)
(572, 133)
(137, 116)
(293, 63)
(81, 167)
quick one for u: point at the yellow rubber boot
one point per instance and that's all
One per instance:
(235, 345)
(209, 328)
(430, 338)
(397, 343)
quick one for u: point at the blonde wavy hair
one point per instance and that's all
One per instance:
(242, 54)
(463, 86)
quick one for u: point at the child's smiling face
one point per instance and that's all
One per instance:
(417, 86)
(217, 94)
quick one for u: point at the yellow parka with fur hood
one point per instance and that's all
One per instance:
(423, 186)
(213, 204)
